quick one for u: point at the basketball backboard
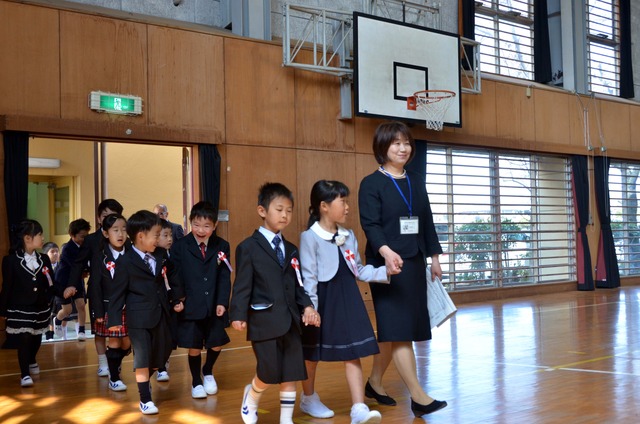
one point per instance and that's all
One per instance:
(393, 60)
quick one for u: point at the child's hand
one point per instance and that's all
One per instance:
(239, 325)
(115, 328)
(99, 319)
(178, 307)
(311, 317)
(220, 310)
(69, 291)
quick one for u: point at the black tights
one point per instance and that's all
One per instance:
(28, 346)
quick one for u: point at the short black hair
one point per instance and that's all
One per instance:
(111, 204)
(164, 224)
(204, 210)
(269, 191)
(79, 225)
(385, 135)
(324, 191)
(48, 246)
(141, 222)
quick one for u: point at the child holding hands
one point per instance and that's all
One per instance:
(330, 266)
(201, 259)
(143, 290)
(27, 290)
(267, 295)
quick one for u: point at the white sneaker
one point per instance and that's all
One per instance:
(248, 413)
(162, 376)
(34, 368)
(57, 331)
(361, 414)
(117, 386)
(103, 370)
(210, 385)
(148, 408)
(82, 337)
(311, 405)
(198, 392)
(26, 381)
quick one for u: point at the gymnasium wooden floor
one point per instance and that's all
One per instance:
(564, 358)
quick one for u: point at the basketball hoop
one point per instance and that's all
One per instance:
(432, 104)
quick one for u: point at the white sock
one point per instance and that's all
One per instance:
(287, 402)
(102, 361)
(254, 396)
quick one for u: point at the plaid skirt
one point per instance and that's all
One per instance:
(100, 328)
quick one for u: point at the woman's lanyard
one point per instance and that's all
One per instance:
(408, 224)
(404, 198)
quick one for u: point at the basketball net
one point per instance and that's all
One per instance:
(432, 104)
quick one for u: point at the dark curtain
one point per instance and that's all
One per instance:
(580, 183)
(626, 65)
(468, 28)
(607, 272)
(210, 173)
(541, 47)
(16, 176)
(419, 162)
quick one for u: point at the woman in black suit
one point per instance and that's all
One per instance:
(396, 217)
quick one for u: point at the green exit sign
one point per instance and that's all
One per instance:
(115, 103)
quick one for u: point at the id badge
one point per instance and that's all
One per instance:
(409, 225)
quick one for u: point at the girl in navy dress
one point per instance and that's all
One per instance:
(330, 266)
(25, 300)
(106, 271)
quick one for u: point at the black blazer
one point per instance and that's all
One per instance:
(89, 248)
(265, 295)
(177, 232)
(144, 293)
(102, 287)
(203, 283)
(18, 285)
(68, 256)
(381, 207)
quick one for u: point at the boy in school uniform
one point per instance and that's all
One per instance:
(143, 291)
(267, 298)
(201, 259)
(78, 231)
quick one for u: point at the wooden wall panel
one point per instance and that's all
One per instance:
(577, 106)
(479, 112)
(186, 80)
(616, 126)
(317, 165)
(551, 115)
(634, 128)
(101, 54)
(364, 129)
(259, 95)
(248, 167)
(514, 113)
(29, 60)
(317, 109)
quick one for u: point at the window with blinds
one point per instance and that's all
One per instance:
(603, 46)
(505, 30)
(503, 219)
(623, 196)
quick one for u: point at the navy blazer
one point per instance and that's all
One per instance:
(203, 283)
(68, 256)
(90, 247)
(18, 285)
(144, 293)
(268, 297)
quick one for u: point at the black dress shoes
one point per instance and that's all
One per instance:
(420, 410)
(381, 399)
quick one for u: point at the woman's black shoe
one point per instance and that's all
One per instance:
(381, 399)
(420, 410)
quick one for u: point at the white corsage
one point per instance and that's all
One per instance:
(339, 239)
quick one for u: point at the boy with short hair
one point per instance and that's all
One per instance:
(267, 295)
(143, 291)
(202, 263)
(78, 231)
